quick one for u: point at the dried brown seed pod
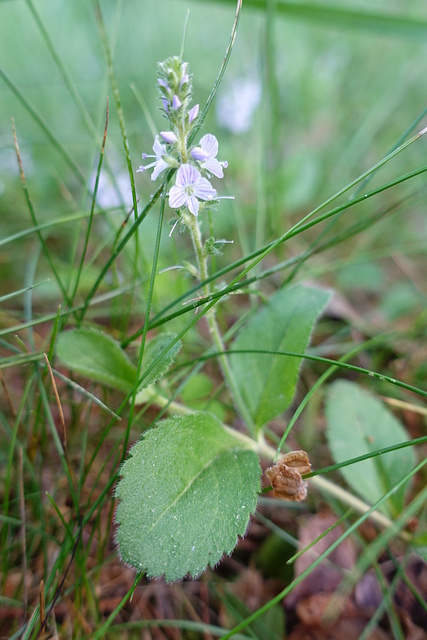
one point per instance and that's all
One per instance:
(285, 476)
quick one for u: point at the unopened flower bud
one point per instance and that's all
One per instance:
(193, 113)
(169, 136)
(176, 103)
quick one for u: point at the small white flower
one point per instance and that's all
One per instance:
(206, 154)
(189, 188)
(159, 164)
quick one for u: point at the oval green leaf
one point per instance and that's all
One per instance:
(187, 492)
(97, 356)
(267, 382)
(357, 424)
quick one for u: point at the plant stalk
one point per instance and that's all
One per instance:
(203, 272)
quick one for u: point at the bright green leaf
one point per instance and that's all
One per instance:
(267, 382)
(358, 424)
(97, 356)
(187, 492)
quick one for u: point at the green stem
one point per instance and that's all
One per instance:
(203, 271)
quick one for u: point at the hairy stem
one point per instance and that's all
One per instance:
(203, 271)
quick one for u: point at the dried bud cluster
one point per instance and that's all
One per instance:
(286, 476)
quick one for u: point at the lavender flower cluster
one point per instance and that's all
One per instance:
(191, 189)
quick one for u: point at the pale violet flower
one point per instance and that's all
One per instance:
(193, 113)
(163, 83)
(159, 164)
(185, 76)
(176, 103)
(206, 154)
(189, 188)
(169, 136)
(185, 79)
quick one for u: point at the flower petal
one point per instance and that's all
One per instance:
(204, 190)
(161, 165)
(209, 144)
(213, 166)
(187, 175)
(177, 197)
(158, 148)
(193, 205)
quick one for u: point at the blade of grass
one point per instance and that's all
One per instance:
(99, 300)
(336, 364)
(213, 298)
(63, 70)
(237, 283)
(92, 209)
(185, 625)
(334, 17)
(13, 439)
(300, 227)
(147, 312)
(33, 215)
(45, 128)
(57, 441)
(75, 217)
(119, 110)
(169, 175)
(139, 220)
(19, 292)
(221, 73)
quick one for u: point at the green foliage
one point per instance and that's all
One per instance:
(316, 198)
(268, 626)
(345, 17)
(158, 357)
(366, 276)
(358, 423)
(187, 492)
(401, 299)
(97, 356)
(267, 382)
